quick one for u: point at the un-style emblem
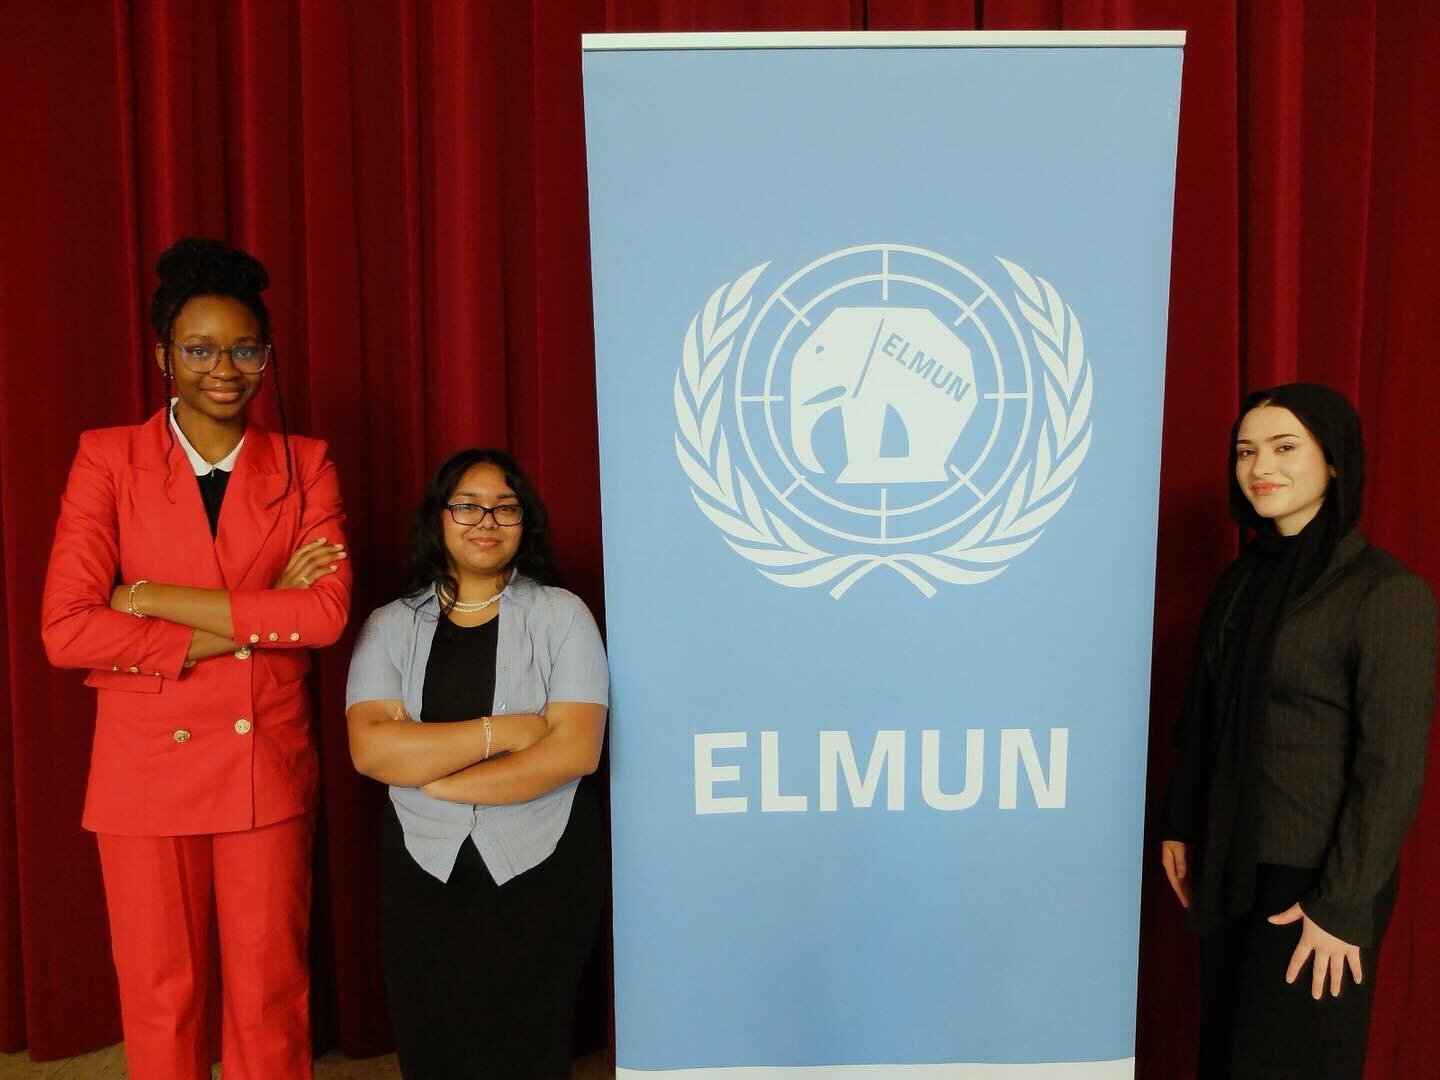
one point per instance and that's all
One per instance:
(883, 406)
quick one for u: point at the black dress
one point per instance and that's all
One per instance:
(481, 977)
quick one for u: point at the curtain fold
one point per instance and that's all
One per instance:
(412, 172)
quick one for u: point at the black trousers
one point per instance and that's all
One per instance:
(481, 977)
(1254, 1025)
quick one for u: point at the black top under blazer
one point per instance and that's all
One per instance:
(1343, 736)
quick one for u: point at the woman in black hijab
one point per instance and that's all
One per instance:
(1301, 751)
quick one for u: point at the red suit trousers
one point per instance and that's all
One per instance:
(162, 892)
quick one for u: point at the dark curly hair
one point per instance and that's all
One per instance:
(429, 560)
(198, 266)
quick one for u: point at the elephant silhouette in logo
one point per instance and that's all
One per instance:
(873, 362)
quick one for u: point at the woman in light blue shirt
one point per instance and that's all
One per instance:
(480, 698)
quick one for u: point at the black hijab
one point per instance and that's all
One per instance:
(1328, 416)
(1274, 572)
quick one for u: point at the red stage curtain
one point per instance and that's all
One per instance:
(412, 173)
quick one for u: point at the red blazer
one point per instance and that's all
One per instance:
(225, 744)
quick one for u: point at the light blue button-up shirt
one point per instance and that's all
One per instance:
(548, 650)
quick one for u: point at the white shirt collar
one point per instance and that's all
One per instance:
(198, 463)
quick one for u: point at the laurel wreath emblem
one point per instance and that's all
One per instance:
(726, 496)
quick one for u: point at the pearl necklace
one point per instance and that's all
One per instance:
(466, 607)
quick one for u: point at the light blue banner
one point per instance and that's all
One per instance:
(880, 338)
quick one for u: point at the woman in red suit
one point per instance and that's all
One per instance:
(198, 558)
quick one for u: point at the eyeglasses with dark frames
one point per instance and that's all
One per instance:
(506, 515)
(203, 357)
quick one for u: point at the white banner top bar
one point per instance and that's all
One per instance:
(891, 39)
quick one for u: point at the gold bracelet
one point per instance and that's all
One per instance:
(130, 604)
(489, 731)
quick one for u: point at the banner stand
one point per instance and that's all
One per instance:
(880, 325)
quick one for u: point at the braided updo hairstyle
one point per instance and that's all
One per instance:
(198, 266)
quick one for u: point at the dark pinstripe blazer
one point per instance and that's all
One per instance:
(1346, 724)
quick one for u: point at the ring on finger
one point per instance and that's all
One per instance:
(304, 579)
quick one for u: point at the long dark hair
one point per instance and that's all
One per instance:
(198, 266)
(429, 560)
